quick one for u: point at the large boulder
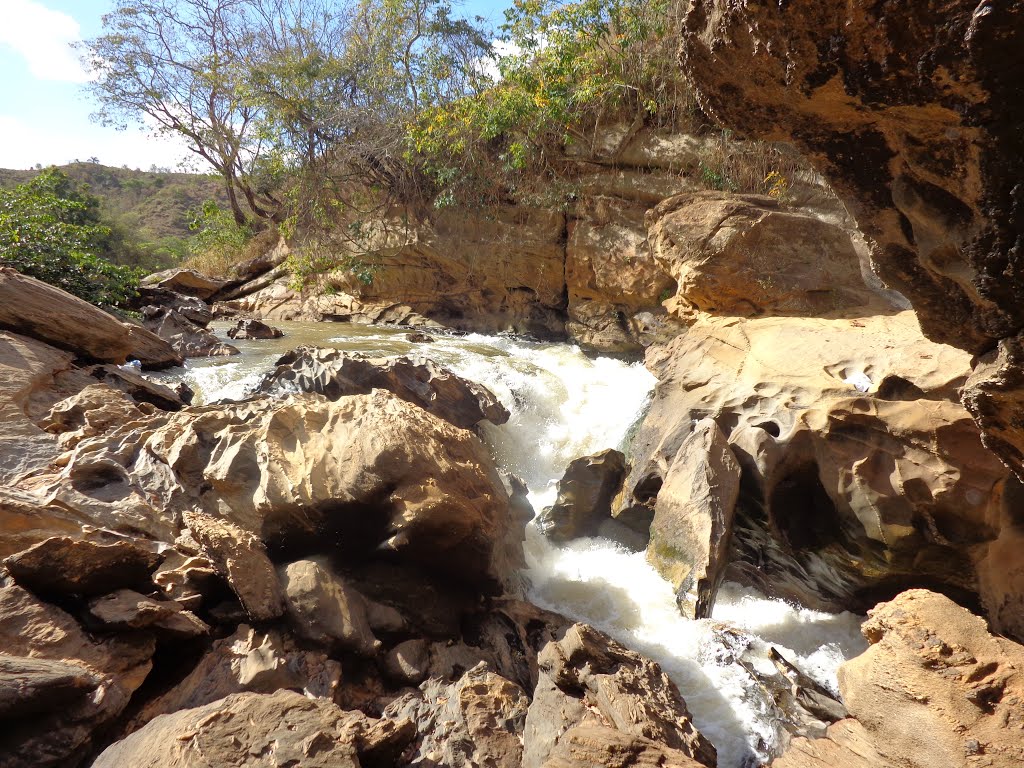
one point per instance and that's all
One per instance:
(33, 308)
(61, 684)
(243, 729)
(932, 668)
(909, 112)
(254, 329)
(64, 566)
(423, 382)
(584, 498)
(750, 255)
(586, 678)
(186, 337)
(187, 282)
(693, 517)
(372, 473)
(861, 471)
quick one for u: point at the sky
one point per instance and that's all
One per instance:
(44, 107)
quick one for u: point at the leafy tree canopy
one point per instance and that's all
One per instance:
(51, 230)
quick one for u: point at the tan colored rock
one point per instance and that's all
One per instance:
(125, 610)
(247, 661)
(932, 669)
(598, 746)
(93, 411)
(246, 730)
(906, 110)
(437, 390)
(32, 308)
(749, 255)
(240, 557)
(106, 671)
(25, 521)
(589, 678)
(477, 720)
(184, 281)
(693, 519)
(325, 609)
(408, 662)
(848, 489)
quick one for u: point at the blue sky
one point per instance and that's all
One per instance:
(44, 109)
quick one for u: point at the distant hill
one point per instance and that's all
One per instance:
(149, 207)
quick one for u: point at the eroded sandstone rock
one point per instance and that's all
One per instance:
(933, 669)
(423, 382)
(254, 329)
(587, 678)
(908, 111)
(585, 495)
(66, 566)
(187, 282)
(186, 337)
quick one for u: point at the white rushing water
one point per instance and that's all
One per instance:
(565, 405)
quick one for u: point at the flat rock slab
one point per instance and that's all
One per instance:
(62, 565)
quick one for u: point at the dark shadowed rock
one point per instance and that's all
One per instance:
(65, 566)
(187, 338)
(156, 301)
(910, 112)
(254, 329)
(422, 382)
(585, 495)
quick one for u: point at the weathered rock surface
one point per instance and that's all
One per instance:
(32, 308)
(435, 389)
(477, 720)
(247, 661)
(598, 746)
(585, 495)
(64, 566)
(327, 610)
(589, 679)
(909, 112)
(187, 282)
(186, 337)
(693, 518)
(155, 301)
(254, 329)
(932, 669)
(862, 473)
(251, 729)
(64, 683)
(749, 255)
(94, 411)
(26, 521)
(125, 610)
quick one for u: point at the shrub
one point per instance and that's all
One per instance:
(51, 230)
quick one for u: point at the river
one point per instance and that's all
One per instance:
(565, 404)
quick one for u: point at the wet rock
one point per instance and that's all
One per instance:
(187, 338)
(933, 665)
(32, 308)
(585, 494)
(247, 661)
(594, 746)
(66, 566)
(477, 720)
(420, 338)
(589, 678)
(909, 114)
(66, 684)
(187, 282)
(437, 390)
(749, 255)
(125, 610)
(242, 729)
(254, 329)
(693, 519)
(325, 609)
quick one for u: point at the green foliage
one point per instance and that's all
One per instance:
(568, 67)
(51, 230)
(217, 240)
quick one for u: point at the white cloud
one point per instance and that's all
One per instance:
(43, 37)
(24, 145)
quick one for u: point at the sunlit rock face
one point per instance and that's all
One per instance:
(914, 111)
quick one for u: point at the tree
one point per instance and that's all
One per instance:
(51, 230)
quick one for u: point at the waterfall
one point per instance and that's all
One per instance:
(564, 405)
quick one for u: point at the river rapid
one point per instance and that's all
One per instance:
(565, 404)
